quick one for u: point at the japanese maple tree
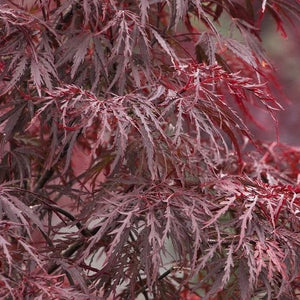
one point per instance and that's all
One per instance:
(127, 167)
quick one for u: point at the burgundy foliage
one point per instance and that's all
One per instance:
(127, 168)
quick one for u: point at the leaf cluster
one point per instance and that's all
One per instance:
(126, 164)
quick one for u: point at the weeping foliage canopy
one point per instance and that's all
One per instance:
(127, 168)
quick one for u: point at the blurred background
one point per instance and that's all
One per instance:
(285, 55)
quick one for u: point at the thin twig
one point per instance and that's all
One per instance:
(162, 276)
(139, 275)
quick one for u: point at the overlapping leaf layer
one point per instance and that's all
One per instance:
(127, 166)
